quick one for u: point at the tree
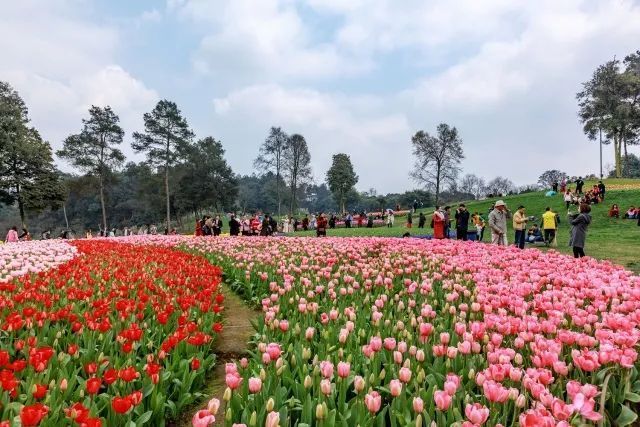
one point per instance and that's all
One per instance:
(27, 174)
(609, 105)
(341, 178)
(297, 165)
(500, 186)
(94, 150)
(13, 115)
(272, 157)
(473, 184)
(437, 158)
(165, 139)
(548, 178)
(208, 180)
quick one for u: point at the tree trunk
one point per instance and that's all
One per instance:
(104, 210)
(278, 190)
(20, 206)
(166, 184)
(342, 204)
(626, 155)
(617, 155)
(64, 212)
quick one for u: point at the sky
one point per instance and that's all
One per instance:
(352, 76)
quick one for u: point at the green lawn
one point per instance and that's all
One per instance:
(608, 238)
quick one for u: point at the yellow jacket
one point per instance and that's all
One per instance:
(549, 220)
(519, 221)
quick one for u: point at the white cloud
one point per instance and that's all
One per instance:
(152, 15)
(263, 41)
(331, 123)
(61, 64)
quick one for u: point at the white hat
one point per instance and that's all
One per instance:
(499, 203)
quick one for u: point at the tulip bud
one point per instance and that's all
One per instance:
(63, 384)
(252, 419)
(419, 420)
(307, 382)
(521, 401)
(58, 334)
(382, 374)
(319, 411)
(280, 371)
(229, 414)
(263, 374)
(293, 361)
(227, 395)
(472, 374)
(270, 404)
(279, 363)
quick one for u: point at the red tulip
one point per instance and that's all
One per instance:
(39, 391)
(93, 385)
(121, 404)
(195, 364)
(31, 415)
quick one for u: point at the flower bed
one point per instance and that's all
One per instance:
(409, 332)
(120, 333)
(17, 259)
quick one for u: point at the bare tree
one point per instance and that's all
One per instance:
(500, 186)
(547, 178)
(473, 184)
(297, 165)
(271, 157)
(437, 158)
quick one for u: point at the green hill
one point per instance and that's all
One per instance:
(608, 238)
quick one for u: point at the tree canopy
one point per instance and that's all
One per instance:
(341, 178)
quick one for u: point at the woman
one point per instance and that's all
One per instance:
(579, 225)
(217, 226)
(478, 222)
(25, 236)
(12, 235)
(437, 222)
(614, 212)
(568, 198)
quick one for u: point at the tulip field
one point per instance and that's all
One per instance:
(116, 335)
(354, 331)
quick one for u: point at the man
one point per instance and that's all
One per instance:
(234, 226)
(534, 234)
(520, 226)
(422, 219)
(579, 185)
(321, 228)
(462, 222)
(602, 189)
(549, 225)
(447, 221)
(498, 223)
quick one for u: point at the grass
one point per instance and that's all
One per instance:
(612, 239)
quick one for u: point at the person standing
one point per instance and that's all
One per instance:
(462, 222)
(520, 226)
(12, 235)
(347, 220)
(498, 223)
(321, 227)
(568, 198)
(234, 226)
(563, 184)
(601, 189)
(437, 223)
(25, 236)
(478, 221)
(554, 186)
(447, 221)
(409, 219)
(549, 225)
(217, 226)
(422, 219)
(415, 206)
(579, 185)
(579, 225)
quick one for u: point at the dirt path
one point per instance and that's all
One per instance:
(231, 344)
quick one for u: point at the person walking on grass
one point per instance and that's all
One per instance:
(321, 227)
(409, 220)
(520, 226)
(422, 220)
(437, 223)
(498, 223)
(579, 225)
(462, 222)
(549, 225)
(12, 235)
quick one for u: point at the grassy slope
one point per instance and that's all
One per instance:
(614, 239)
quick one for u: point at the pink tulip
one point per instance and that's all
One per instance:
(273, 419)
(395, 386)
(476, 413)
(373, 401)
(404, 375)
(202, 418)
(344, 369)
(418, 405)
(255, 384)
(233, 381)
(442, 400)
(325, 387)
(358, 383)
(326, 369)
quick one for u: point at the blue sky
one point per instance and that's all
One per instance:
(357, 76)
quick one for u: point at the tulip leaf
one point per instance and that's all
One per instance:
(632, 397)
(144, 418)
(626, 417)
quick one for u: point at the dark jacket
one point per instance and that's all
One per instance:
(462, 220)
(579, 224)
(234, 227)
